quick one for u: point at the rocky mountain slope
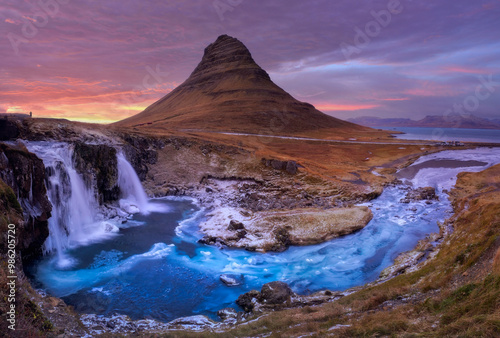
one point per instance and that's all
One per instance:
(228, 91)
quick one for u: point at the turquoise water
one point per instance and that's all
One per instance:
(447, 134)
(156, 269)
(153, 267)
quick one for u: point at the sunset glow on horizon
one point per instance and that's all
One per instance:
(105, 61)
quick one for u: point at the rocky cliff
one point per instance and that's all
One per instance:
(24, 173)
(98, 165)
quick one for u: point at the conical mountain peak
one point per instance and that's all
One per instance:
(228, 91)
(226, 54)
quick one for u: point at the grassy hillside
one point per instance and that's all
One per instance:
(456, 293)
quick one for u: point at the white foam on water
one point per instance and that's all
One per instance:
(61, 282)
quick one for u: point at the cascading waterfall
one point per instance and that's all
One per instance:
(73, 203)
(76, 219)
(133, 193)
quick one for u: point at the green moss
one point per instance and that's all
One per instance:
(9, 197)
(33, 312)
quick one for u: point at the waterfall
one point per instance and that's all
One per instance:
(76, 217)
(134, 198)
(74, 205)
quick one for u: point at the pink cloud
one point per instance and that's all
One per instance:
(344, 107)
(465, 70)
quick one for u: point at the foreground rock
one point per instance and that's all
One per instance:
(278, 295)
(277, 230)
(420, 194)
(272, 294)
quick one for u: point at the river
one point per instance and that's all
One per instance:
(152, 266)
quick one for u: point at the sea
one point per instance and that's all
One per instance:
(446, 134)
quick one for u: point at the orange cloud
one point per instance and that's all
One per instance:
(79, 100)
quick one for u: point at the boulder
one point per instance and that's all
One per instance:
(235, 225)
(231, 280)
(275, 293)
(282, 242)
(420, 194)
(291, 167)
(193, 321)
(211, 240)
(227, 313)
(248, 300)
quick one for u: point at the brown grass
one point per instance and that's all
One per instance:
(456, 294)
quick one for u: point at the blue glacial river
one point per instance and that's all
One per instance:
(154, 267)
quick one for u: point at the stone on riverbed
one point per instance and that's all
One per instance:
(420, 194)
(231, 280)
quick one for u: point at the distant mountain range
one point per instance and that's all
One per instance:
(450, 121)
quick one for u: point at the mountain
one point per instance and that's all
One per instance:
(436, 121)
(372, 121)
(228, 91)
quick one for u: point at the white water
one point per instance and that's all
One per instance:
(76, 218)
(133, 194)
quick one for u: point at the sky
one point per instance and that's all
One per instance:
(102, 61)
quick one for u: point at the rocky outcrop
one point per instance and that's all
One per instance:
(276, 230)
(276, 293)
(142, 151)
(227, 313)
(273, 295)
(8, 130)
(420, 194)
(24, 173)
(98, 164)
(290, 167)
